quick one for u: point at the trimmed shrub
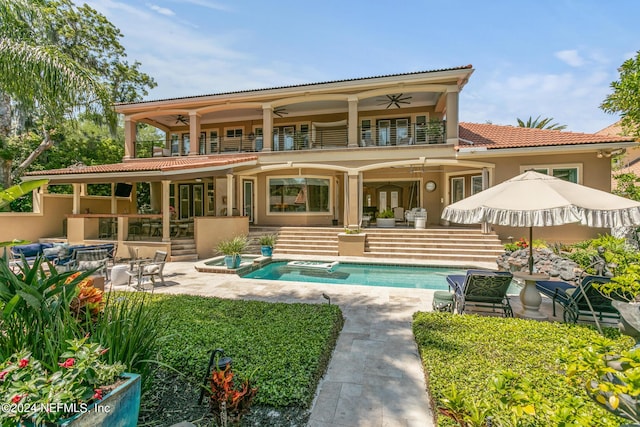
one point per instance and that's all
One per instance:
(284, 348)
(502, 366)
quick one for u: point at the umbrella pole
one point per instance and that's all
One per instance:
(530, 250)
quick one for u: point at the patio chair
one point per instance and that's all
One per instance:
(92, 259)
(583, 300)
(411, 215)
(148, 268)
(478, 289)
(398, 213)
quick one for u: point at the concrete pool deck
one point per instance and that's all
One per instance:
(375, 375)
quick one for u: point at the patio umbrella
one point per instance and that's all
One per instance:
(533, 199)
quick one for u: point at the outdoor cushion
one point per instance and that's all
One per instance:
(90, 265)
(51, 252)
(151, 269)
(30, 250)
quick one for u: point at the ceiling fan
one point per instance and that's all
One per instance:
(394, 100)
(280, 111)
(182, 119)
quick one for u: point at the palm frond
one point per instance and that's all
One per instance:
(15, 192)
(42, 75)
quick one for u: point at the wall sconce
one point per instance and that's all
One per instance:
(600, 154)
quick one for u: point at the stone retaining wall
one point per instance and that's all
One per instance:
(545, 261)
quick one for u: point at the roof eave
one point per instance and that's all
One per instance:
(153, 175)
(487, 151)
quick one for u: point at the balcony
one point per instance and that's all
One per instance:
(287, 139)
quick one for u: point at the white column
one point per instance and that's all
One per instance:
(452, 117)
(230, 194)
(194, 134)
(166, 213)
(353, 122)
(77, 188)
(38, 196)
(114, 201)
(267, 128)
(353, 218)
(129, 138)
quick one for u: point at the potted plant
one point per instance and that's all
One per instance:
(267, 242)
(81, 390)
(386, 219)
(232, 250)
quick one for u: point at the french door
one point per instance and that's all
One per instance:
(191, 200)
(248, 198)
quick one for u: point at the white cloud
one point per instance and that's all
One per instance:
(161, 10)
(570, 98)
(571, 57)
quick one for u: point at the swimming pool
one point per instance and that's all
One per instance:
(390, 275)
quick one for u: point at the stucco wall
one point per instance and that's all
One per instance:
(597, 175)
(210, 230)
(33, 226)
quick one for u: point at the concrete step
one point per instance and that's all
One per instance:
(440, 244)
(184, 258)
(183, 250)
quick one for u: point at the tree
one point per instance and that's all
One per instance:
(540, 124)
(627, 185)
(625, 98)
(43, 86)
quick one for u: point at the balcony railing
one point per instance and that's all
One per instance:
(433, 132)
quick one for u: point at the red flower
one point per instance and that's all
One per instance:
(68, 363)
(98, 394)
(23, 363)
(3, 374)
(17, 398)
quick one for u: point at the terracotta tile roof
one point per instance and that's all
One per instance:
(464, 67)
(162, 164)
(497, 137)
(613, 129)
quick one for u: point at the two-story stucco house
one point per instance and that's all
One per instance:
(328, 153)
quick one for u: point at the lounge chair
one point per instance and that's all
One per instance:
(583, 300)
(478, 288)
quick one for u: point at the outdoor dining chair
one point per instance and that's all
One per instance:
(148, 268)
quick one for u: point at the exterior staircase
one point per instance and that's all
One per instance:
(318, 241)
(183, 250)
(432, 244)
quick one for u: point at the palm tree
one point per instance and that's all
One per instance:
(541, 124)
(35, 73)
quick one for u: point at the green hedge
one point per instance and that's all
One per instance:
(284, 347)
(468, 351)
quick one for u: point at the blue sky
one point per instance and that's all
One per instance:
(553, 58)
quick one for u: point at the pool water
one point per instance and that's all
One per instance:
(395, 276)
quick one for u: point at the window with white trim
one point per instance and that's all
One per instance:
(476, 184)
(568, 172)
(299, 195)
(457, 189)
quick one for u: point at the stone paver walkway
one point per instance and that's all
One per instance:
(375, 376)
